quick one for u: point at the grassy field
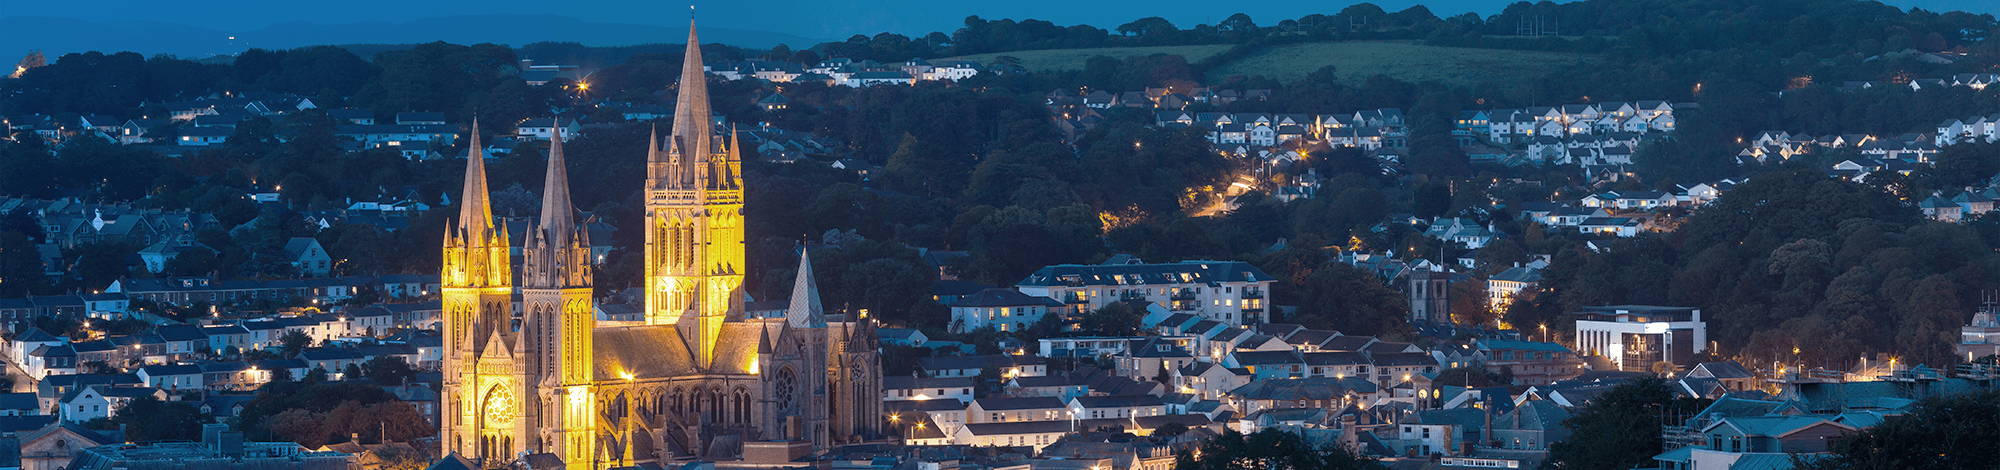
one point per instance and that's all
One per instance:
(1356, 61)
(1073, 59)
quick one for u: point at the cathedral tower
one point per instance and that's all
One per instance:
(694, 226)
(482, 381)
(556, 300)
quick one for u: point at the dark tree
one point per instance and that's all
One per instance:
(1621, 428)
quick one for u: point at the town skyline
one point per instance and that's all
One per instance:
(1594, 235)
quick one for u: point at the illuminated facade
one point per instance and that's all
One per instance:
(695, 381)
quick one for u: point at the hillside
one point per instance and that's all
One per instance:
(1401, 60)
(1073, 59)
(1357, 60)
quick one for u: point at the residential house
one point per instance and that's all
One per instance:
(1940, 209)
(1003, 410)
(1119, 407)
(1502, 288)
(1530, 363)
(307, 256)
(172, 378)
(1000, 309)
(543, 129)
(1209, 381)
(1526, 431)
(99, 401)
(1439, 432)
(898, 388)
(1730, 374)
(1303, 393)
(1008, 434)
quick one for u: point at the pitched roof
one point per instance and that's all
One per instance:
(1022, 403)
(1314, 388)
(1118, 401)
(1003, 297)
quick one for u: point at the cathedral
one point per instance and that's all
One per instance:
(528, 370)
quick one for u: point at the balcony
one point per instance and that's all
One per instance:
(1253, 293)
(1075, 299)
(1183, 294)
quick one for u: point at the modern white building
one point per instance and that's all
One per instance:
(1230, 292)
(1634, 337)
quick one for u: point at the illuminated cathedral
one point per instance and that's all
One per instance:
(528, 370)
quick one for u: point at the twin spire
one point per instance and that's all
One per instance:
(475, 215)
(557, 230)
(557, 213)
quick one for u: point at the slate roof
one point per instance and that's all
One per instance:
(1316, 388)
(1118, 401)
(175, 369)
(1533, 415)
(1404, 359)
(22, 424)
(1022, 403)
(1346, 343)
(1519, 274)
(1003, 297)
(18, 401)
(1726, 370)
(659, 351)
(1335, 358)
(900, 406)
(180, 333)
(1017, 427)
(901, 382)
(1310, 337)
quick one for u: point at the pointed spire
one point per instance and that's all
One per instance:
(805, 311)
(653, 162)
(557, 213)
(475, 216)
(691, 112)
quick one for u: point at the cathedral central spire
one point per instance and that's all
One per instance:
(556, 209)
(692, 129)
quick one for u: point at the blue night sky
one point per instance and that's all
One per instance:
(202, 28)
(828, 19)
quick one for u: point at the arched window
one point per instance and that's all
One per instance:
(741, 400)
(674, 404)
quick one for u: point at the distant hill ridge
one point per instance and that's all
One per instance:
(57, 36)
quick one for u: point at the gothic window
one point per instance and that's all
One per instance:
(785, 391)
(742, 405)
(717, 412)
(678, 404)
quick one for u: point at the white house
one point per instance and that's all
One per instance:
(1120, 407)
(171, 377)
(1037, 434)
(1001, 309)
(101, 401)
(899, 388)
